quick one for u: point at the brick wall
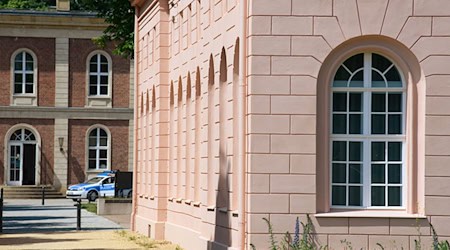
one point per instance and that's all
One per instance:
(45, 128)
(44, 48)
(77, 146)
(79, 49)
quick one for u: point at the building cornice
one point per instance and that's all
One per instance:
(66, 113)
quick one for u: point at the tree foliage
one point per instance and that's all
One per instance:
(119, 14)
(24, 4)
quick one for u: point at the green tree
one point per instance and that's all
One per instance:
(24, 4)
(119, 14)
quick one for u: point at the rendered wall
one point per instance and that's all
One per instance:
(290, 45)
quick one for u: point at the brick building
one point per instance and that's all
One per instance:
(66, 105)
(281, 108)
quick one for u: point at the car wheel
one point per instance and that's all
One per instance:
(129, 194)
(92, 196)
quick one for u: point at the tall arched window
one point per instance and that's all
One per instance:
(99, 75)
(24, 73)
(98, 149)
(368, 134)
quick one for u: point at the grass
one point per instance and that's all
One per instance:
(90, 207)
(146, 242)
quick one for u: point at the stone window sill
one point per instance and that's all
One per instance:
(369, 214)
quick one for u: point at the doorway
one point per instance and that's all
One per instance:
(22, 158)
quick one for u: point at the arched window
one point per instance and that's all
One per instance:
(99, 75)
(98, 149)
(24, 73)
(22, 135)
(368, 134)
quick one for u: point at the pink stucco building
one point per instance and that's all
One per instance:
(281, 108)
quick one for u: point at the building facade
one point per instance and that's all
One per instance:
(66, 105)
(281, 109)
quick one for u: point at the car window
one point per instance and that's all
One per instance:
(108, 180)
(93, 180)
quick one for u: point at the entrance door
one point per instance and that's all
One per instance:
(29, 164)
(15, 165)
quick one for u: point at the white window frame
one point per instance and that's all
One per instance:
(97, 148)
(27, 99)
(366, 137)
(99, 100)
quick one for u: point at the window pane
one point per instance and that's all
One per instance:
(339, 124)
(104, 67)
(103, 153)
(395, 174)
(394, 196)
(29, 65)
(338, 195)
(395, 102)
(29, 78)
(92, 164)
(93, 90)
(355, 62)
(355, 124)
(378, 151)
(354, 196)
(103, 90)
(377, 80)
(380, 62)
(378, 196)
(93, 67)
(356, 102)
(103, 142)
(28, 57)
(18, 78)
(93, 59)
(378, 173)
(339, 101)
(104, 80)
(394, 124)
(103, 164)
(93, 80)
(29, 88)
(394, 151)
(393, 78)
(355, 151)
(357, 80)
(18, 66)
(354, 174)
(339, 173)
(378, 124)
(378, 102)
(92, 141)
(103, 59)
(339, 151)
(103, 133)
(93, 133)
(92, 153)
(18, 88)
(19, 57)
(341, 77)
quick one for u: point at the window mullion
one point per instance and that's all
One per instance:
(98, 74)
(23, 73)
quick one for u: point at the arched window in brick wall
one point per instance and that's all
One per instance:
(24, 63)
(99, 74)
(98, 148)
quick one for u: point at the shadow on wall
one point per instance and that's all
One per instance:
(47, 172)
(222, 228)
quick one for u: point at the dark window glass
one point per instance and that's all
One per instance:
(378, 196)
(339, 173)
(338, 196)
(339, 151)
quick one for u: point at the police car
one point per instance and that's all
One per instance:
(101, 185)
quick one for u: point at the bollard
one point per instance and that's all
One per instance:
(1, 211)
(43, 195)
(78, 214)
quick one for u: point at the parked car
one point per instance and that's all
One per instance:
(102, 185)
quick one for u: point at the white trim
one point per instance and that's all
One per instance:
(26, 99)
(99, 100)
(37, 142)
(87, 148)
